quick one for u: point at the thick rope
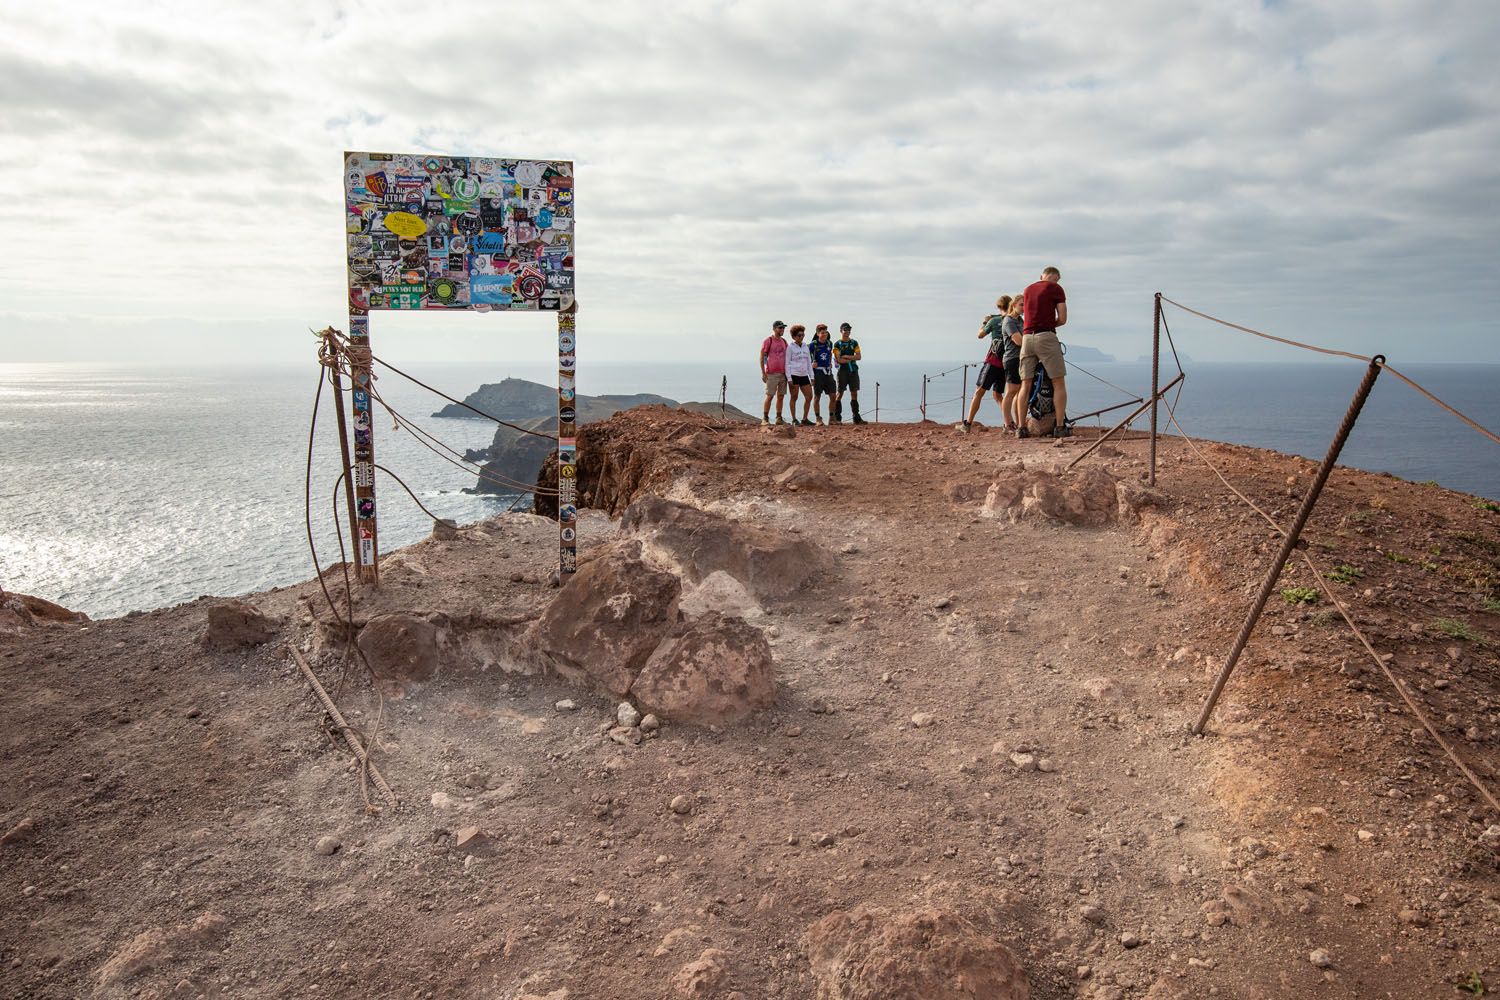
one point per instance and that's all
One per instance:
(1341, 354)
(1343, 610)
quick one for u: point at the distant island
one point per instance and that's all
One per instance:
(1183, 356)
(1083, 352)
(518, 456)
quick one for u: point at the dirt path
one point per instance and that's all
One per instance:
(967, 705)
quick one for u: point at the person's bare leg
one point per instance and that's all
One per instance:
(780, 398)
(974, 404)
(1060, 401)
(1008, 405)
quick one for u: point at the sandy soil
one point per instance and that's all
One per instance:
(966, 704)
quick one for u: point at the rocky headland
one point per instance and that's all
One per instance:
(515, 456)
(854, 712)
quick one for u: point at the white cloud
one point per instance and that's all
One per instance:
(1300, 166)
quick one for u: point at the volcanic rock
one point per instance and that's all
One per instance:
(400, 647)
(235, 623)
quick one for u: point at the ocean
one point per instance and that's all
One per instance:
(128, 488)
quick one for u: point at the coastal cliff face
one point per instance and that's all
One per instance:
(947, 755)
(515, 457)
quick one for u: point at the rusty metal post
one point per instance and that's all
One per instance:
(1133, 414)
(924, 399)
(877, 402)
(963, 396)
(723, 396)
(1155, 378)
(346, 466)
(1290, 541)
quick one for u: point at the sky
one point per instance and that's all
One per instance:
(1324, 171)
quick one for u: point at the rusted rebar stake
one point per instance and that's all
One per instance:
(1133, 414)
(1155, 377)
(1289, 543)
(345, 464)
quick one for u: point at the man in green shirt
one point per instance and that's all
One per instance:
(847, 354)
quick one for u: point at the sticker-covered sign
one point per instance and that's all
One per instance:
(458, 232)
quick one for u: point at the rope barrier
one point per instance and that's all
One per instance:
(1343, 610)
(459, 402)
(1330, 351)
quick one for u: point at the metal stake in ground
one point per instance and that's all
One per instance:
(1155, 377)
(1290, 542)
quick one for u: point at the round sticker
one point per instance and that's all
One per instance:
(531, 286)
(468, 223)
(565, 342)
(566, 471)
(567, 512)
(528, 173)
(566, 414)
(444, 291)
(465, 188)
(432, 164)
(568, 534)
(566, 394)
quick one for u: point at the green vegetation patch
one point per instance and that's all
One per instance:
(1345, 574)
(1300, 595)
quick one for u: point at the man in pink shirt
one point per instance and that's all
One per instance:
(773, 371)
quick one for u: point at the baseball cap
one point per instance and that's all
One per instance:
(845, 326)
(778, 325)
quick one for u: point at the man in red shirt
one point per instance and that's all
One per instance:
(773, 371)
(1044, 309)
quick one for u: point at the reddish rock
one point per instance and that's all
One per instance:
(400, 647)
(608, 618)
(234, 623)
(699, 543)
(713, 670)
(1086, 497)
(702, 976)
(929, 954)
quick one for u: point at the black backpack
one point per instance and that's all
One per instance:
(1040, 404)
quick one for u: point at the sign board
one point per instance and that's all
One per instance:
(459, 232)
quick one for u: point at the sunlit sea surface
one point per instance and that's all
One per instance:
(125, 488)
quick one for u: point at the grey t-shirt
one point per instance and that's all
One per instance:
(1011, 325)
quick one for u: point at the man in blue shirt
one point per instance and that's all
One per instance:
(822, 359)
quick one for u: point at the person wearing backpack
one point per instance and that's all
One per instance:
(821, 350)
(1044, 309)
(847, 353)
(773, 371)
(994, 374)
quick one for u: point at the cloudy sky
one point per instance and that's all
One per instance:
(1328, 171)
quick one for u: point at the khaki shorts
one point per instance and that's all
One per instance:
(1042, 347)
(776, 382)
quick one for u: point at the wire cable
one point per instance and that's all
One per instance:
(459, 402)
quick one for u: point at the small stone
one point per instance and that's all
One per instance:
(444, 529)
(1023, 761)
(28, 891)
(1320, 958)
(823, 840)
(650, 723)
(1045, 765)
(941, 603)
(627, 715)
(1078, 808)
(1176, 822)
(1365, 836)
(682, 805)
(1414, 917)
(849, 548)
(792, 731)
(566, 705)
(471, 839)
(921, 720)
(444, 801)
(194, 712)
(1130, 940)
(1089, 913)
(626, 737)
(327, 845)
(1353, 901)
(20, 833)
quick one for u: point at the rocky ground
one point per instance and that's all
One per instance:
(975, 780)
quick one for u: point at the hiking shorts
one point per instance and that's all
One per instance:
(823, 383)
(848, 380)
(776, 382)
(1042, 346)
(801, 380)
(991, 377)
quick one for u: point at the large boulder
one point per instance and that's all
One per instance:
(926, 954)
(608, 618)
(400, 647)
(713, 670)
(235, 623)
(1088, 497)
(698, 543)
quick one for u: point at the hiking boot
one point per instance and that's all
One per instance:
(1022, 432)
(962, 428)
(765, 421)
(806, 422)
(820, 420)
(779, 421)
(1062, 432)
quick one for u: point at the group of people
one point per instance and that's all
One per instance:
(810, 371)
(1023, 339)
(1024, 362)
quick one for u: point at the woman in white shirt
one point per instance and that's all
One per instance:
(799, 370)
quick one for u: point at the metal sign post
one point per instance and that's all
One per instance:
(457, 233)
